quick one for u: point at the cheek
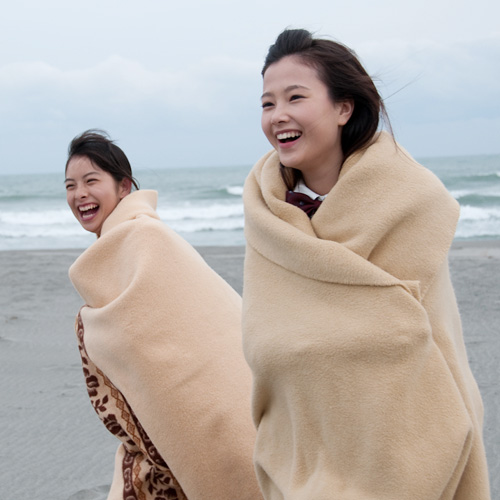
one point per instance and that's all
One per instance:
(109, 201)
(265, 123)
(70, 198)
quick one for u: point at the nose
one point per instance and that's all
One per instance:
(81, 191)
(279, 114)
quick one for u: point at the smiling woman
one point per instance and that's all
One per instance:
(303, 123)
(92, 193)
(362, 388)
(160, 341)
(98, 176)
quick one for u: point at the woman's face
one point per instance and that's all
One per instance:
(92, 193)
(300, 119)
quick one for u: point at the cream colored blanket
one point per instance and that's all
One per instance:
(362, 388)
(165, 330)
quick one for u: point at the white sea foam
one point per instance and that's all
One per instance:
(469, 213)
(235, 190)
(474, 230)
(58, 228)
(478, 222)
(205, 205)
(189, 211)
(37, 217)
(462, 193)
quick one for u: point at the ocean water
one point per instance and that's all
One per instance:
(205, 205)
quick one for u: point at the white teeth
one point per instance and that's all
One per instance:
(288, 135)
(87, 207)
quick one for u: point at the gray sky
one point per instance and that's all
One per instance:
(178, 83)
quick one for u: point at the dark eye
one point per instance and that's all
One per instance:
(295, 97)
(69, 186)
(267, 104)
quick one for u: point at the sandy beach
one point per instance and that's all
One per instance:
(53, 446)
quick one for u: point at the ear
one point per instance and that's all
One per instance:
(346, 109)
(125, 187)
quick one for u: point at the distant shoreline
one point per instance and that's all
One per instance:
(461, 246)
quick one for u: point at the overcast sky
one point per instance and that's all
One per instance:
(177, 83)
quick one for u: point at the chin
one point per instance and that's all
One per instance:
(290, 164)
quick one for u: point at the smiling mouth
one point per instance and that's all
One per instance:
(288, 137)
(88, 211)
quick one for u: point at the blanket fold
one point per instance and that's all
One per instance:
(165, 330)
(362, 389)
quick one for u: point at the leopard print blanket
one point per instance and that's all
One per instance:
(145, 474)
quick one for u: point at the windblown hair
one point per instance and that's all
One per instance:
(340, 70)
(100, 149)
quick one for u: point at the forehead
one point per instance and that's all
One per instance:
(81, 165)
(290, 70)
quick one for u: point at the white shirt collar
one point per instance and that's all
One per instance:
(302, 188)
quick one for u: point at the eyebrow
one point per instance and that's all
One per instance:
(288, 89)
(86, 175)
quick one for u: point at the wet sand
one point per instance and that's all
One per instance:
(54, 447)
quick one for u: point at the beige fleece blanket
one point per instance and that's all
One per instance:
(140, 471)
(362, 388)
(165, 330)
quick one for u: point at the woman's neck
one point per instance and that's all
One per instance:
(322, 182)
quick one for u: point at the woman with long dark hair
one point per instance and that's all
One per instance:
(362, 388)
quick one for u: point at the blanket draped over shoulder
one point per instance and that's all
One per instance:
(362, 387)
(160, 337)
